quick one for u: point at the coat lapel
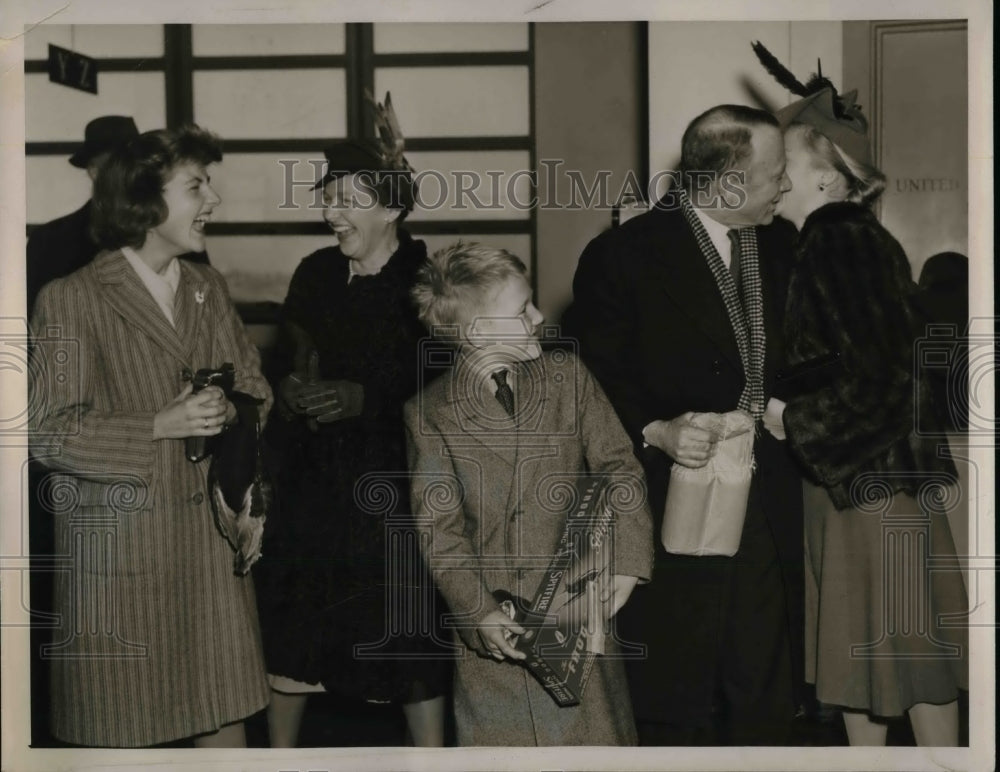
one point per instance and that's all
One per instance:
(683, 273)
(189, 307)
(533, 419)
(126, 293)
(472, 411)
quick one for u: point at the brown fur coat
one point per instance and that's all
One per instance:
(852, 294)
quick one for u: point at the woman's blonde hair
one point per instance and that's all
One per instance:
(865, 183)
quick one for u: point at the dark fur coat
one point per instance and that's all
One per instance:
(852, 294)
(342, 489)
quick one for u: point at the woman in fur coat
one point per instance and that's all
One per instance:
(877, 639)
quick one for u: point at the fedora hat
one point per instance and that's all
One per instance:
(102, 135)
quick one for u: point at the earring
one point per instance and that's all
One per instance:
(822, 187)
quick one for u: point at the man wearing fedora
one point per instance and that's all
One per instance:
(60, 247)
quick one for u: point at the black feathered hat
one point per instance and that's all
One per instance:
(835, 116)
(381, 159)
(351, 156)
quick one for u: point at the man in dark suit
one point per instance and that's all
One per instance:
(679, 311)
(60, 247)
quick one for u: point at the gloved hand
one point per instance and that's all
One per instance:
(773, 415)
(328, 401)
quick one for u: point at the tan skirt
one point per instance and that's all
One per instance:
(885, 605)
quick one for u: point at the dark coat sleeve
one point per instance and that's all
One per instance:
(35, 267)
(602, 322)
(57, 249)
(291, 349)
(608, 452)
(850, 294)
(389, 371)
(396, 376)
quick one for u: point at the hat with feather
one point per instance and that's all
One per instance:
(834, 115)
(380, 157)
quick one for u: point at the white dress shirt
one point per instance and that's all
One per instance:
(719, 234)
(163, 287)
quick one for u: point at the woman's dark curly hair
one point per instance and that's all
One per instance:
(128, 191)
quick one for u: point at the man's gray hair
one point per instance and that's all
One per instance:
(719, 140)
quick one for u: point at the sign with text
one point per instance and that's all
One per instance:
(72, 69)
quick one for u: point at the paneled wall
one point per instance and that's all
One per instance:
(590, 94)
(920, 105)
(695, 65)
(463, 96)
(274, 93)
(132, 82)
(277, 94)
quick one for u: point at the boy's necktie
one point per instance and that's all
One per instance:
(504, 394)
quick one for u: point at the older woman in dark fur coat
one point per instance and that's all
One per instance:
(343, 607)
(876, 489)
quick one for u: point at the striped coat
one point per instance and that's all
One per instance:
(157, 638)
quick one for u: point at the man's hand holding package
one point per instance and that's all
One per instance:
(685, 443)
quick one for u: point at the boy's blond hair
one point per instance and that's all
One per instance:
(456, 281)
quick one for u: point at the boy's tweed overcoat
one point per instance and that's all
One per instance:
(488, 488)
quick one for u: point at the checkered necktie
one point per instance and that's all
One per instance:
(743, 300)
(734, 260)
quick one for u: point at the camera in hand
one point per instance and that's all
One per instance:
(196, 448)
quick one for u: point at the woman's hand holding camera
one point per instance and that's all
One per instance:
(201, 414)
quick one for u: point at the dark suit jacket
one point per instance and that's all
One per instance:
(652, 325)
(64, 245)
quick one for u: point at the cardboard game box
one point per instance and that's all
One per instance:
(564, 624)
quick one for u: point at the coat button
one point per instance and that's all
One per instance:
(717, 367)
(197, 498)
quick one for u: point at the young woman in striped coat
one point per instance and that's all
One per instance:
(158, 638)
